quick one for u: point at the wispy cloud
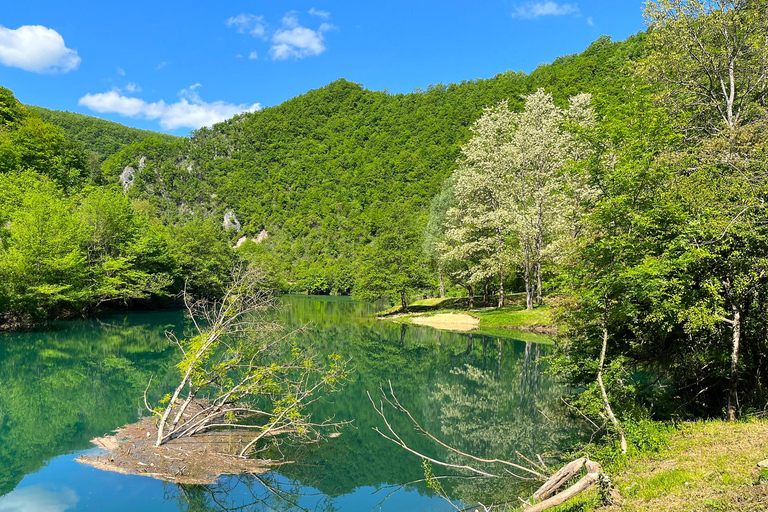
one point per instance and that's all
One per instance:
(296, 41)
(190, 111)
(533, 10)
(249, 24)
(133, 87)
(253, 55)
(161, 65)
(322, 14)
(36, 48)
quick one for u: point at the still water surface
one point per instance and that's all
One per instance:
(61, 387)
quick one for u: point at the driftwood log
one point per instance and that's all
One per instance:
(561, 477)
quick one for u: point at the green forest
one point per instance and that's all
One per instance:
(624, 187)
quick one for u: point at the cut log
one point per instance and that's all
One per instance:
(559, 478)
(583, 484)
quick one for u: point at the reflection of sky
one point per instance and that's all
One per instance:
(64, 485)
(39, 498)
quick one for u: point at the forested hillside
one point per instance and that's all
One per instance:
(327, 172)
(69, 245)
(99, 136)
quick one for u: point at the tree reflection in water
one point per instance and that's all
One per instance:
(251, 493)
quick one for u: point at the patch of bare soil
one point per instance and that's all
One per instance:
(449, 321)
(200, 459)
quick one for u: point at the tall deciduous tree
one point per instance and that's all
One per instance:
(711, 55)
(512, 189)
(711, 58)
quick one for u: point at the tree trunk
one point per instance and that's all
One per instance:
(403, 302)
(608, 409)
(527, 276)
(442, 285)
(501, 285)
(539, 244)
(733, 386)
(592, 476)
(539, 291)
(471, 292)
(559, 478)
(486, 298)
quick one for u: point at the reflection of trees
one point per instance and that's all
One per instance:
(495, 412)
(60, 388)
(251, 493)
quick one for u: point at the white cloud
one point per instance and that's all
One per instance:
(120, 71)
(161, 65)
(533, 10)
(296, 41)
(133, 87)
(322, 14)
(36, 48)
(590, 21)
(249, 23)
(253, 55)
(38, 498)
(190, 111)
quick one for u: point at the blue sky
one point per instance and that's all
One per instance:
(175, 66)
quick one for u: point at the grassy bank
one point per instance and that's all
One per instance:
(493, 320)
(705, 466)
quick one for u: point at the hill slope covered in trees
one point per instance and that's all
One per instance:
(99, 136)
(327, 172)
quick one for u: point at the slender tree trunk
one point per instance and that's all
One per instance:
(501, 285)
(527, 275)
(486, 298)
(539, 244)
(403, 302)
(733, 386)
(539, 292)
(442, 284)
(608, 409)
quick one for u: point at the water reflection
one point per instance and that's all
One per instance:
(485, 395)
(39, 498)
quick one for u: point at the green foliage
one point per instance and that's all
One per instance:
(321, 170)
(393, 265)
(102, 138)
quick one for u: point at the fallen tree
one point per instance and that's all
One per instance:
(241, 371)
(244, 386)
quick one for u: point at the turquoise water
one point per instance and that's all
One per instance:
(61, 387)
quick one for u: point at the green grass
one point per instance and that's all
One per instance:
(515, 316)
(707, 466)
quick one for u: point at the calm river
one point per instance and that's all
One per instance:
(61, 387)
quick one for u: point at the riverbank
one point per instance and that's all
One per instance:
(704, 466)
(455, 314)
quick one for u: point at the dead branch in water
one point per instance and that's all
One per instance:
(546, 492)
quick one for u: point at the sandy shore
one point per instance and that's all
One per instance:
(449, 321)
